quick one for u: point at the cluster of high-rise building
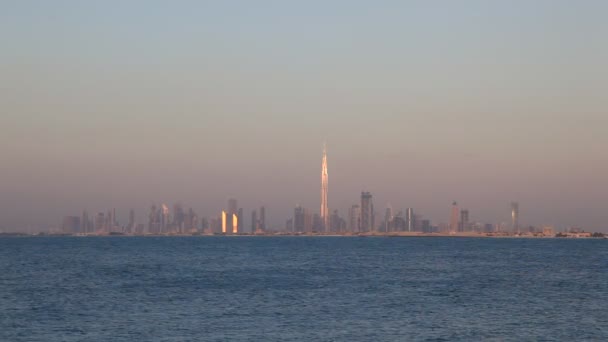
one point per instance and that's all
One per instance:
(102, 222)
(232, 221)
(361, 219)
(163, 221)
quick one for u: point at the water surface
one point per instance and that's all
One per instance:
(302, 289)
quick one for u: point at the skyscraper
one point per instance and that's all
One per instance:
(426, 226)
(164, 218)
(515, 217)
(308, 221)
(151, 219)
(179, 217)
(398, 223)
(324, 208)
(205, 225)
(108, 223)
(231, 214)
(254, 221)
(464, 220)
(454, 218)
(223, 222)
(71, 224)
(289, 225)
(262, 222)
(367, 212)
(317, 224)
(191, 222)
(354, 215)
(241, 220)
(85, 222)
(114, 222)
(388, 218)
(232, 206)
(131, 225)
(337, 223)
(235, 224)
(409, 220)
(100, 221)
(298, 219)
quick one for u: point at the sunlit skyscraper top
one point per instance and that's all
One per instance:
(324, 208)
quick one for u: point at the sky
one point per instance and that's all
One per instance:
(123, 104)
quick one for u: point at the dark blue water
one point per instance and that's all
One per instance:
(302, 288)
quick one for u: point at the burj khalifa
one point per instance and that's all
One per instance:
(324, 210)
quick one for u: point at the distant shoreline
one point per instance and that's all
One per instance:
(365, 235)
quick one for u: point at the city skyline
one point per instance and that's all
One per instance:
(360, 219)
(122, 105)
(231, 219)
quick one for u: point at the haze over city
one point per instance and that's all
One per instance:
(125, 105)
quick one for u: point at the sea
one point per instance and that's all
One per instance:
(256, 288)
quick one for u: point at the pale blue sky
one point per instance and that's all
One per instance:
(125, 103)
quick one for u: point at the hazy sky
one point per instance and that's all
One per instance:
(127, 103)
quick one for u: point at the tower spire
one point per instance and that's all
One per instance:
(324, 209)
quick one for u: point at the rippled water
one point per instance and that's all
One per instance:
(302, 288)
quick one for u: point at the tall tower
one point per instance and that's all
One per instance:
(241, 220)
(131, 226)
(464, 221)
(409, 220)
(454, 218)
(164, 219)
(515, 217)
(235, 224)
(262, 221)
(299, 218)
(388, 219)
(231, 214)
(324, 210)
(232, 206)
(367, 213)
(85, 222)
(254, 221)
(223, 222)
(354, 218)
